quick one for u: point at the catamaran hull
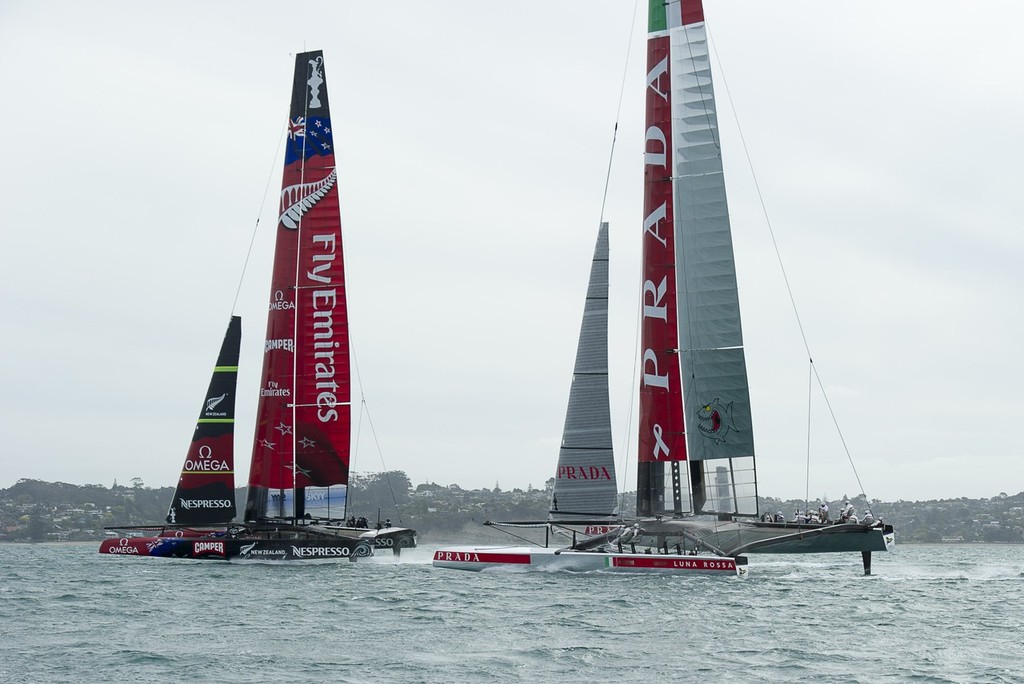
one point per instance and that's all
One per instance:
(385, 539)
(821, 541)
(225, 548)
(527, 558)
(734, 538)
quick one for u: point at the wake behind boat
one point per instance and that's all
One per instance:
(696, 475)
(296, 506)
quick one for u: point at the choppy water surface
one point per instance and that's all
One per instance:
(928, 614)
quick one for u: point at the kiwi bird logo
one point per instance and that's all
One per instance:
(714, 421)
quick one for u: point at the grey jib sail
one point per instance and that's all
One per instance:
(585, 479)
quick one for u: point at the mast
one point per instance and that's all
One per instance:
(205, 493)
(719, 474)
(301, 446)
(585, 477)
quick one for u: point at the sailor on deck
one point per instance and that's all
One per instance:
(823, 512)
(630, 533)
(868, 518)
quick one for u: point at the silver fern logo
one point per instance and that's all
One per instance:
(212, 402)
(297, 199)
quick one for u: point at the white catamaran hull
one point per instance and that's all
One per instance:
(525, 558)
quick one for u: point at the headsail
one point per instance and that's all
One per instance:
(301, 446)
(716, 400)
(585, 478)
(206, 489)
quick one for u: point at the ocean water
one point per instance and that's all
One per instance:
(943, 613)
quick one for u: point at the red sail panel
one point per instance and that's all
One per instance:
(661, 406)
(206, 489)
(303, 418)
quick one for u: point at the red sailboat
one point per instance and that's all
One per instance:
(298, 479)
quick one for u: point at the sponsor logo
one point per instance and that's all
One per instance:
(274, 345)
(384, 543)
(462, 557)
(206, 466)
(324, 299)
(714, 421)
(212, 402)
(267, 554)
(320, 551)
(280, 303)
(206, 463)
(123, 548)
(189, 504)
(478, 557)
(274, 389)
(315, 81)
(594, 530)
(659, 371)
(583, 473)
(668, 562)
(297, 199)
(208, 548)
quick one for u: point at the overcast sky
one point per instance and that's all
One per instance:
(473, 141)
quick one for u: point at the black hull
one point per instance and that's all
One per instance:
(392, 539)
(242, 542)
(734, 538)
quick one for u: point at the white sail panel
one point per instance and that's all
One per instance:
(585, 476)
(716, 399)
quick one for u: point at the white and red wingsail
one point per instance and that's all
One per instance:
(694, 400)
(301, 446)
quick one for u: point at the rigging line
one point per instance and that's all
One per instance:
(810, 389)
(835, 421)
(263, 203)
(352, 455)
(632, 398)
(618, 112)
(604, 200)
(764, 209)
(387, 476)
(782, 269)
(363, 406)
(513, 534)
